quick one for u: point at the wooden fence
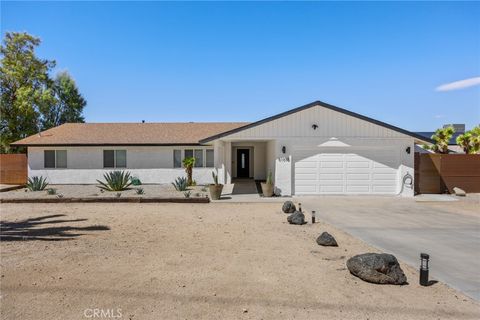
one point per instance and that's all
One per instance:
(13, 168)
(440, 173)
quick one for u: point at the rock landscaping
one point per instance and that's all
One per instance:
(327, 240)
(459, 192)
(296, 218)
(381, 268)
(289, 207)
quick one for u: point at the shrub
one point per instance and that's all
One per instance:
(188, 163)
(37, 183)
(187, 194)
(115, 181)
(135, 181)
(51, 191)
(180, 184)
(139, 191)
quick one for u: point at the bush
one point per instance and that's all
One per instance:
(187, 194)
(139, 191)
(180, 184)
(115, 181)
(51, 191)
(37, 183)
(135, 181)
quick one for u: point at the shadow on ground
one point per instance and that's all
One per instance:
(35, 229)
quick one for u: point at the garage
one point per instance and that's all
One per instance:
(346, 170)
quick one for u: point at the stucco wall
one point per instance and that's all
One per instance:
(85, 165)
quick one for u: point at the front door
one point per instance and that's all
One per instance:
(243, 163)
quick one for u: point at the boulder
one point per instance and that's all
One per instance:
(289, 207)
(327, 240)
(459, 192)
(296, 218)
(379, 268)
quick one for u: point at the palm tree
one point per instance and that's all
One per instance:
(442, 137)
(470, 141)
(188, 163)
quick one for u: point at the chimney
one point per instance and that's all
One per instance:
(459, 127)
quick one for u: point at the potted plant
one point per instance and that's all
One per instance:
(215, 188)
(267, 187)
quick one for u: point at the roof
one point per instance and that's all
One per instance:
(429, 134)
(311, 105)
(103, 134)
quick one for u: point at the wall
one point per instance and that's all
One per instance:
(13, 168)
(85, 165)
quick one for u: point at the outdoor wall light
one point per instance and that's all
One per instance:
(424, 269)
(314, 126)
(284, 149)
(407, 150)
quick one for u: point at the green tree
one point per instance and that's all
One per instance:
(68, 106)
(470, 141)
(188, 164)
(24, 87)
(441, 139)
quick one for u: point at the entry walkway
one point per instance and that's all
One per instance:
(244, 190)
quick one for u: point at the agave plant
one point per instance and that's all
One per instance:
(115, 181)
(37, 183)
(180, 184)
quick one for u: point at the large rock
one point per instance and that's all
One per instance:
(459, 192)
(289, 207)
(296, 218)
(380, 268)
(327, 240)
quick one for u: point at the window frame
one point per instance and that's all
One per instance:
(115, 165)
(55, 159)
(183, 152)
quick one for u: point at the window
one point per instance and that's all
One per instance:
(188, 153)
(199, 158)
(55, 158)
(114, 158)
(177, 158)
(209, 158)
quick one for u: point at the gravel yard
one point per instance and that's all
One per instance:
(92, 191)
(184, 261)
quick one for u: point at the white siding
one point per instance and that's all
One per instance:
(85, 165)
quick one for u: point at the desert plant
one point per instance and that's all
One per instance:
(188, 164)
(470, 141)
(441, 138)
(139, 191)
(135, 181)
(51, 191)
(215, 177)
(60, 195)
(115, 181)
(180, 184)
(270, 178)
(37, 183)
(187, 194)
(118, 194)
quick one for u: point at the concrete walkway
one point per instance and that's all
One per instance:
(448, 231)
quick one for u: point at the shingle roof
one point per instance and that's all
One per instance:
(79, 134)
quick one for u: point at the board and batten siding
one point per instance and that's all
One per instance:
(151, 164)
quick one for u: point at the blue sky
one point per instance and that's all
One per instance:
(224, 61)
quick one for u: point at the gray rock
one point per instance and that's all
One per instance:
(459, 192)
(327, 240)
(296, 218)
(379, 268)
(289, 207)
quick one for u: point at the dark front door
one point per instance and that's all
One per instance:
(243, 163)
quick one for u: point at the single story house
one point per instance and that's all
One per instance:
(317, 148)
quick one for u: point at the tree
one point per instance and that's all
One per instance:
(441, 139)
(188, 163)
(24, 87)
(68, 106)
(470, 141)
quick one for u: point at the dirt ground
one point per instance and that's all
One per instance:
(202, 261)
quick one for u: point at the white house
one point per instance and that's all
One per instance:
(313, 149)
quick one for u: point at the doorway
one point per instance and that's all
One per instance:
(243, 163)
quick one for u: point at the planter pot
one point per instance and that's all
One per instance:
(215, 191)
(267, 189)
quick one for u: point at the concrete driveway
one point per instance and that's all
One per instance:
(448, 231)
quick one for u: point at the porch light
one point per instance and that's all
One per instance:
(407, 150)
(313, 217)
(424, 258)
(314, 126)
(284, 149)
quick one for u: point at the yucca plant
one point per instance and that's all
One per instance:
(180, 184)
(37, 183)
(188, 163)
(441, 139)
(115, 181)
(470, 141)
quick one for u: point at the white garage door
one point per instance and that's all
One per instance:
(346, 171)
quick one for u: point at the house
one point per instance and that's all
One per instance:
(313, 149)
